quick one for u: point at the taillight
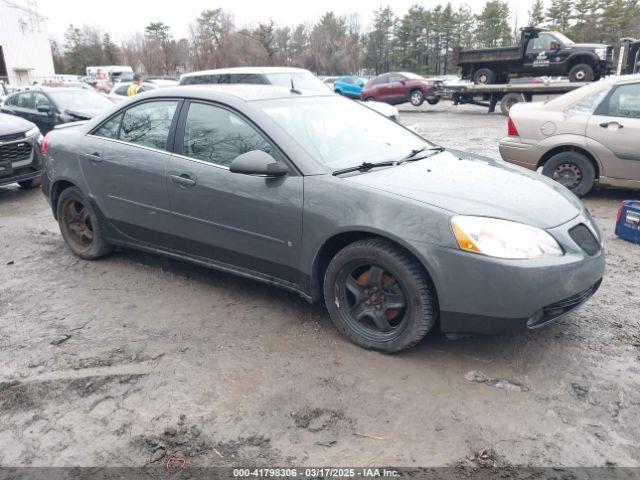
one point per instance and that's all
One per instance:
(45, 145)
(620, 212)
(512, 131)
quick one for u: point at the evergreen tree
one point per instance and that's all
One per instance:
(536, 14)
(493, 25)
(111, 50)
(560, 13)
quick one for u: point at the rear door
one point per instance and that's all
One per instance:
(20, 105)
(125, 161)
(246, 221)
(616, 126)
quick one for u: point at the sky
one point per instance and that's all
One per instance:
(122, 17)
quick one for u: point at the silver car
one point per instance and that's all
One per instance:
(329, 199)
(588, 136)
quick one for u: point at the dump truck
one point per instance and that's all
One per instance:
(540, 52)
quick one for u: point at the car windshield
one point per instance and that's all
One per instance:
(563, 39)
(301, 81)
(79, 100)
(341, 133)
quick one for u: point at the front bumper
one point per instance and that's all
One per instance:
(17, 168)
(480, 294)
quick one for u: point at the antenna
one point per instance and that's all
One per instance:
(293, 88)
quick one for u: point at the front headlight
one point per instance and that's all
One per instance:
(503, 239)
(601, 53)
(32, 132)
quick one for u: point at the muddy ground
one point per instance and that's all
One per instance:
(131, 359)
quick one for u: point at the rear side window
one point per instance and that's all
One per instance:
(250, 78)
(380, 80)
(200, 80)
(148, 124)
(23, 100)
(624, 102)
(216, 135)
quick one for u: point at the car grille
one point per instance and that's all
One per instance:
(560, 308)
(13, 152)
(12, 137)
(585, 239)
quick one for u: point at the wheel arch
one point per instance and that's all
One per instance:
(571, 148)
(57, 188)
(332, 245)
(583, 57)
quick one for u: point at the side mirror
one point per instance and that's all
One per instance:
(44, 108)
(403, 82)
(257, 162)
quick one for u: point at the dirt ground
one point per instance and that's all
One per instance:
(131, 359)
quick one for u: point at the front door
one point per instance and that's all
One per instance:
(540, 57)
(45, 118)
(125, 162)
(616, 126)
(250, 222)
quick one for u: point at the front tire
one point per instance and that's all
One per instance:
(416, 97)
(572, 170)
(80, 226)
(378, 296)
(581, 73)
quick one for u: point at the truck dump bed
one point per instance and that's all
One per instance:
(487, 55)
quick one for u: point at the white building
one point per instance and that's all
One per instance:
(25, 52)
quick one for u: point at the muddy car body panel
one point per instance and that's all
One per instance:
(284, 229)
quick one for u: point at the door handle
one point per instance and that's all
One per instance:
(183, 179)
(609, 124)
(94, 157)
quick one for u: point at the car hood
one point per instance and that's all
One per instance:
(84, 113)
(467, 184)
(10, 125)
(587, 46)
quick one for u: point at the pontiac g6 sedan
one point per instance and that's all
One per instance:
(327, 198)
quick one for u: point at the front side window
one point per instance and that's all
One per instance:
(541, 43)
(122, 90)
(111, 128)
(216, 135)
(40, 100)
(625, 101)
(148, 124)
(396, 78)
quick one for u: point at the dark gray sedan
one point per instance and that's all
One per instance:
(329, 199)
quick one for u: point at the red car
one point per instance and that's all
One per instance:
(400, 87)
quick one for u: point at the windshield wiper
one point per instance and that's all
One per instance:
(413, 155)
(365, 167)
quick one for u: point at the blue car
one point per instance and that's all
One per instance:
(350, 86)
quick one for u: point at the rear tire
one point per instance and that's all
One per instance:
(572, 170)
(27, 184)
(378, 296)
(80, 226)
(433, 100)
(581, 73)
(484, 76)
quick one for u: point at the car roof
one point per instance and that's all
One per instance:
(246, 70)
(624, 79)
(244, 92)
